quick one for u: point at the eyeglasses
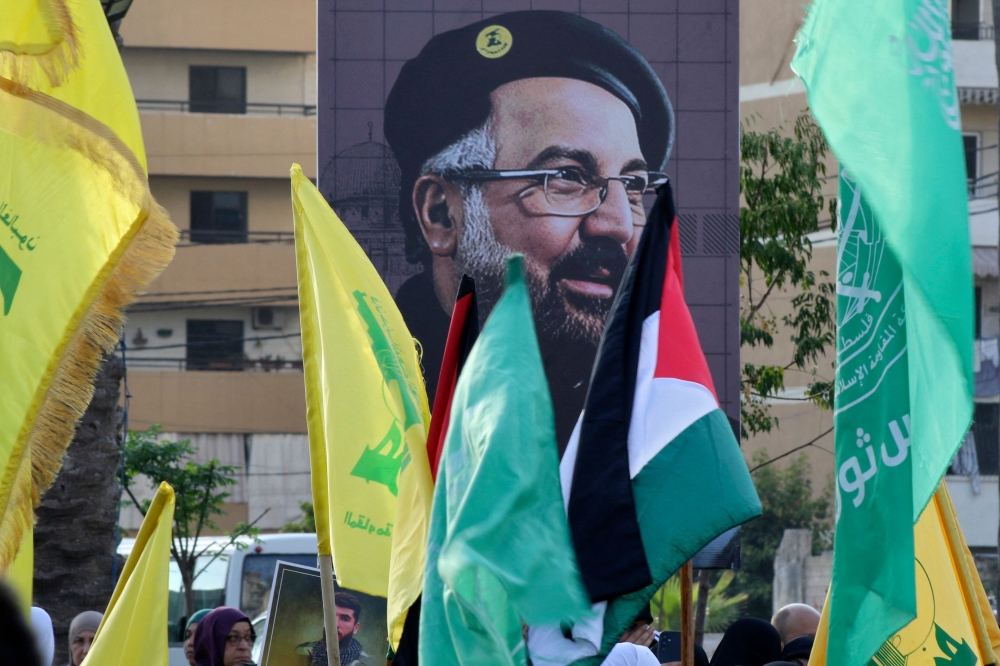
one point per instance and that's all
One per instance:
(568, 191)
(236, 639)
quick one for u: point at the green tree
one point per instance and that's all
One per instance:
(200, 493)
(722, 610)
(305, 524)
(786, 496)
(781, 179)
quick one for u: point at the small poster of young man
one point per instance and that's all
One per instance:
(295, 635)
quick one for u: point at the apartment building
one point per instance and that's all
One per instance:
(227, 96)
(771, 95)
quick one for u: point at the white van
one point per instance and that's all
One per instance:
(238, 578)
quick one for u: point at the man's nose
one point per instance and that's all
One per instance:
(613, 218)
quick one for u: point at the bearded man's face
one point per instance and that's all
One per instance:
(574, 263)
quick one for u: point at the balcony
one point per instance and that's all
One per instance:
(246, 108)
(255, 402)
(971, 31)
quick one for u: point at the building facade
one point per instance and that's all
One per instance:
(772, 96)
(227, 97)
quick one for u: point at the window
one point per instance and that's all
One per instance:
(970, 142)
(209, 591)
(214, 344)
(979, 313)
(984, 430)
(217, 89)
(965, 19)
(218, 217)
(258, 577)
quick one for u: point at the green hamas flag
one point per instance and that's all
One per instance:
(881, 84)
(499, 551)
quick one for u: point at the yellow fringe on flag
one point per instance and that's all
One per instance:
(143, 240)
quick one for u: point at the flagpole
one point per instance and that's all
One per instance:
(687, 615)
(329, 609)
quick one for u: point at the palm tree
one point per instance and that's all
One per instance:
(722, 610)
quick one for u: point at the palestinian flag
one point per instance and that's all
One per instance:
(653, 471)
(462, 334)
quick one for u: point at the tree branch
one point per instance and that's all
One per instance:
(797, 448)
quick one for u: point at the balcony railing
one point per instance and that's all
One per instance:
(971, 31)
(248, 108)
(215, 237)
(984, 187)
(233, 364)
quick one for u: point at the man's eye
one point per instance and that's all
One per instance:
(577, 176)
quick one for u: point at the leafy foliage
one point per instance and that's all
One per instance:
(199, 491)
(787, 498)
(306, 524)
(781, 179)
(722, 609)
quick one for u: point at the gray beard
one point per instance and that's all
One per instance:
(482, 256)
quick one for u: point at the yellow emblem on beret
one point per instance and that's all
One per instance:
(494, 41)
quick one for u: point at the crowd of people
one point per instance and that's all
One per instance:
(224, 636)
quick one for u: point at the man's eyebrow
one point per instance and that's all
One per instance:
(585, 158)
(635, 165)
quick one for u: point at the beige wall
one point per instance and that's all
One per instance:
(272, 78)
(235, 267)
(240, 402)
(767, 28)
(215, 144)
(241, 25)
(269, 204)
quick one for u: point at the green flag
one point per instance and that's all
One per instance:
(499, 551)
(881, 84)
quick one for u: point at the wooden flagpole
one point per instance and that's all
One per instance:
(329, 609)
(687, 615)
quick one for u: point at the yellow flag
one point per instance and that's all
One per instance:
(80, 234)
(954, 624)
(366, 409)
(134, 628)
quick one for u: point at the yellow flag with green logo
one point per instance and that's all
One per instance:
(366, 409)
(80, 234)
(955, 625)
(134, 628)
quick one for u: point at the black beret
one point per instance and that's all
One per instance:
(443, 93)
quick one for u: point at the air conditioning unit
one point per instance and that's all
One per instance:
(268, 318)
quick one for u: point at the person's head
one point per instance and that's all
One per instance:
(798, 650)
(82, 630)
(224, 637)
(749, 641)
(348, 614)
(189, 633)
(45, 639)
(795, 620)
(569, 101)
(17, 643)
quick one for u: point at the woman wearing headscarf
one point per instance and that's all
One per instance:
(189, 633)
(81, 635)
(224, 637)
(748, 642)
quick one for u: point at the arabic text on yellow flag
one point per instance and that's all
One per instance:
(954, 622)
(80, 234)
(366, 409)
(134, 628)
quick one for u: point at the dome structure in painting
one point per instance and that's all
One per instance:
(365, 171)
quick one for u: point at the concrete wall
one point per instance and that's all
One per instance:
(799, 576)
(269, 203)
(217, 144)
(240, 25)
(272, 78)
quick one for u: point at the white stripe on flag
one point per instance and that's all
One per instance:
(662, 407)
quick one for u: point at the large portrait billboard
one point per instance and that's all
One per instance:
(454, 132)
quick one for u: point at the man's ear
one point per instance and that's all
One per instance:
(438, 205)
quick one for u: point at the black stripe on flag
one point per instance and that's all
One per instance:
(601, 507)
